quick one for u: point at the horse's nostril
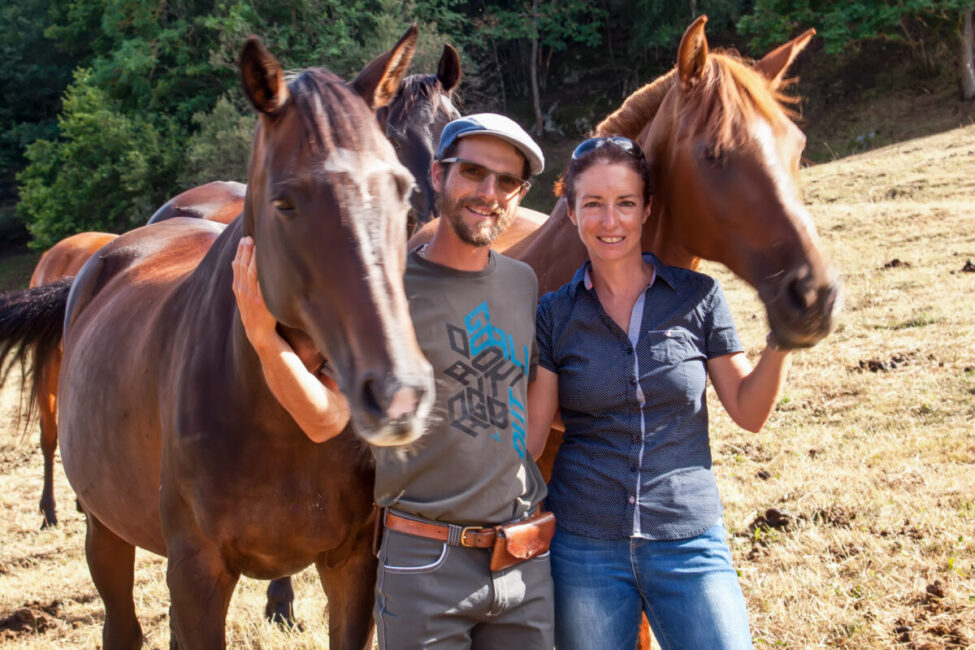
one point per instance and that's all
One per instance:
(800, 290)
(370, 401)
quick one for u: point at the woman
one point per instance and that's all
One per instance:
(625, 350)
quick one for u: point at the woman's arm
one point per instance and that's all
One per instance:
(543, 406)
(321, 411)
(749, 394)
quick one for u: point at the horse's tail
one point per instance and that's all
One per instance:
(31, 324)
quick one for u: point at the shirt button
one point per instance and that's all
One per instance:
(629, 350)
(632, 381)
(633, 468)
(632, 500)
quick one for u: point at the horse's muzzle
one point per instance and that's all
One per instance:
(801, 311)
(392, 413)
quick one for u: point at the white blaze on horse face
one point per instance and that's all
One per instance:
(778, 172)
(357, 175)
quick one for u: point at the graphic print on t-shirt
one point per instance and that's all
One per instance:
(486, 370)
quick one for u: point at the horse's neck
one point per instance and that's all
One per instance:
(658, 238)
(635, 116)
(554, 251)
(212, 304)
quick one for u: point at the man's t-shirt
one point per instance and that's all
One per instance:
(477, 329)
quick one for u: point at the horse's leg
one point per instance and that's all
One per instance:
(111, 561)
(200, 587)
(348, 575)
(280, 597)
(47, 405)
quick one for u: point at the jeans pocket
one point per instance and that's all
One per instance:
(402, 553)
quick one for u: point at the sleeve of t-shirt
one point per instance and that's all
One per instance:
(543, 335)
(722, 337)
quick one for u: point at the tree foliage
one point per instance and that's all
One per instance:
(841, 24)
(106, 171)
(154, 107)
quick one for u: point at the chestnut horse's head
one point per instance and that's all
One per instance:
(725, 156)
(326, 203)
(413, 122)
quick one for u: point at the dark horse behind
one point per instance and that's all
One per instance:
(205, 465)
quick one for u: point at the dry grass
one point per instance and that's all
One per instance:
(869, 459)
(870, 453)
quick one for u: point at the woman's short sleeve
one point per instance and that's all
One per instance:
(543, 334)
(722, 337)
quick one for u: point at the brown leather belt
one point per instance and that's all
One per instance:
(452, 534)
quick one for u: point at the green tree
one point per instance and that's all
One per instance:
(106, 171)
(219, 150)
(33, 74)
(839, 23)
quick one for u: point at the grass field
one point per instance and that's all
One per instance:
(852, 515)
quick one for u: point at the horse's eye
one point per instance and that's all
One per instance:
(713, 155)
(284, 207)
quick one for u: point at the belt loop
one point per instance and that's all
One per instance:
(454, 534)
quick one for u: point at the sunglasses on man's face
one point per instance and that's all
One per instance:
(592, 144)
(507, 184)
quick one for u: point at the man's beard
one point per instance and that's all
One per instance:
(483, 235)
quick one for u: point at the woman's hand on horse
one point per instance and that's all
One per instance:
(258, 322)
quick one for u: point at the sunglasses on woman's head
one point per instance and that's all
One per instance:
(592, 144)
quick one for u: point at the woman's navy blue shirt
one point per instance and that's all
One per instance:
(635, 460)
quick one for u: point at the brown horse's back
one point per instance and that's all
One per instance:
(219, 201)
(114, 304)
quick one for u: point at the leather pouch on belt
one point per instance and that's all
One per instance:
(522, 540)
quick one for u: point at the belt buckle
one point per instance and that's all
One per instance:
(463, 533)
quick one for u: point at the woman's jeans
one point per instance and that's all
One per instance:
(687, 588)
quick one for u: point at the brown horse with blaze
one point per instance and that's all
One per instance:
(206, 467)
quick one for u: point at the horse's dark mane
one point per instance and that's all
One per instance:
(411, 89)
(331, 114)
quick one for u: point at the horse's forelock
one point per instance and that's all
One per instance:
(732, 94)
(412, 89)
(331, 114)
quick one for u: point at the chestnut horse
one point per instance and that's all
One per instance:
(62, 260)
(724, 156)
(206, 466)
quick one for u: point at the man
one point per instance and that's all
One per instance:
(474, 315)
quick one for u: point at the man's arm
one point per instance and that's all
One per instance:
(543, 406)
(321, 411)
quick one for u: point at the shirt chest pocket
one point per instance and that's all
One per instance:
(670, 346)
(665, 358)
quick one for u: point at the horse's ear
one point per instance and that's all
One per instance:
(448, 70)
(774, 64)
(380, 79)
(262, 77)
(692, 55)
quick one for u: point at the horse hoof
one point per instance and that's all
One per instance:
(284, 617)
(51, 522)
